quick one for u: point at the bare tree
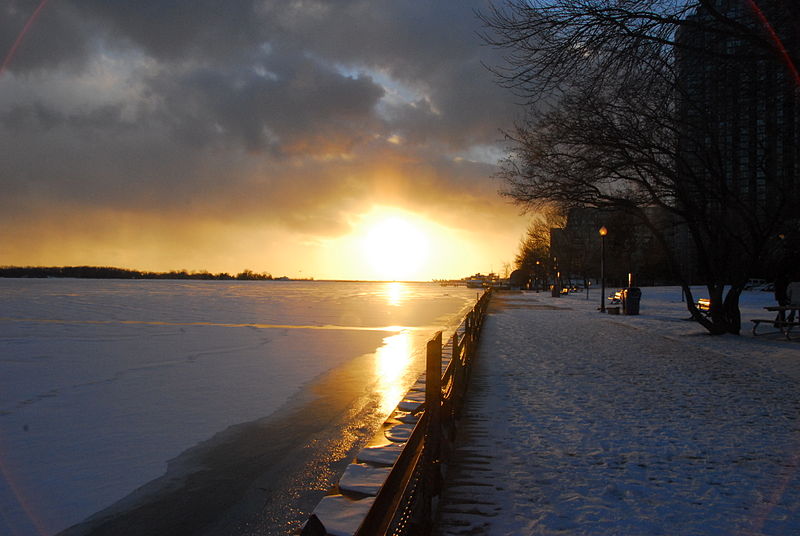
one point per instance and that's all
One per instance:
(614, 123)
(535, 245)
(534, 255)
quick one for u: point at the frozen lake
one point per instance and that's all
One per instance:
(103, 382)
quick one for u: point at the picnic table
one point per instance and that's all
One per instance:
(784, 326)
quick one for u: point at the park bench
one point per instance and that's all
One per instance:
(704, 306)
(616, 297)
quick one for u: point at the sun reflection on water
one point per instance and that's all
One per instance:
(396, 293)
(391, 365)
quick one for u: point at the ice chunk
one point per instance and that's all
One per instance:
(409, 405)
(362, 478)
(342, 516)
(381, 455)
(399, 433)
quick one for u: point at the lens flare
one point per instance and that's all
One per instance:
(21, 36)
(787, 59)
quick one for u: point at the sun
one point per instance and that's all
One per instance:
(395, 247)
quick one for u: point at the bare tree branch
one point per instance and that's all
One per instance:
(613, 122)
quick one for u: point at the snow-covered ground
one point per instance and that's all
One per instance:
(582, 423)
(103, 382)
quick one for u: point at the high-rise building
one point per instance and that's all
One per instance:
(738, 158)
(739, 103)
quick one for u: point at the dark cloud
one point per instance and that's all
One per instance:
(40, 118)
(180, 30)
(295, 105)
(56, 36)
(274, 111)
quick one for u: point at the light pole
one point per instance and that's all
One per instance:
(555, 291)
(603, 232)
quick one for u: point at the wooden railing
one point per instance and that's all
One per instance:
(404, 504)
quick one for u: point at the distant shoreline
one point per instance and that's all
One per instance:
(110, 272)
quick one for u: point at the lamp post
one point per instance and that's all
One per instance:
(603, 232)
(555, 291)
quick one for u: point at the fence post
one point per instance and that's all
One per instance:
(469, 336)
(405, 502)
(458, 382)
(433, 414)
(458, 346)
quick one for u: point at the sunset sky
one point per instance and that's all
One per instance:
(299, 138)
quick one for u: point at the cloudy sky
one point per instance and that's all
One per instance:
(296, 137)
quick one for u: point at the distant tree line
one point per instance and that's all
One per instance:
(109, 272)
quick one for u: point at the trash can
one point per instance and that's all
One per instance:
(630, 300)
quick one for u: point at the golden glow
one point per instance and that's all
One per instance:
(395, 293)
(391, 363)
(106, 237)
(394, 246)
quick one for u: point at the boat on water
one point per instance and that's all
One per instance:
(486, 281)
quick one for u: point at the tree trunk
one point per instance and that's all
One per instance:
(724, 315)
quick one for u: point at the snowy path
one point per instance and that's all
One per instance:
(581, 423)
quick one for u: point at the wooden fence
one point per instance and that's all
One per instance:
(405, 503)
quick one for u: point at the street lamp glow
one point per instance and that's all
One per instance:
(603, 232)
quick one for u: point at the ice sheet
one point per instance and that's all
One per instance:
(102, 382)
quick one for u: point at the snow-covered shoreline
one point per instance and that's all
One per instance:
(583, 423)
